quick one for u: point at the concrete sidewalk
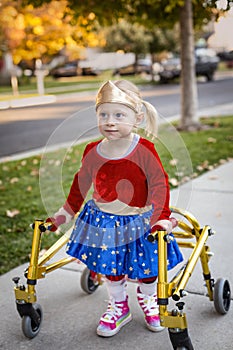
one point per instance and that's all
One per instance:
(71, 316)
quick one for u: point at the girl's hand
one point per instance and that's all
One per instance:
(166, 225)
(56, 222)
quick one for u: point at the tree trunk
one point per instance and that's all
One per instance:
(189, 100)
(5, 69)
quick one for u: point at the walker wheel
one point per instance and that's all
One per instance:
(222, 296)
(87, 283)
(29, 327)
(180, 339)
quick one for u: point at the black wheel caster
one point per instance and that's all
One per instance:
(180, 339)
(31, 326)
(88, 285)
(222, 296)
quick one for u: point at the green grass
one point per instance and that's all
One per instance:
(49, 83)
(22, 200)
(64, 85)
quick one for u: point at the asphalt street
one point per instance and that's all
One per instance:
(71, 117)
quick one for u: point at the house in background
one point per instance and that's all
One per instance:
(222, 39)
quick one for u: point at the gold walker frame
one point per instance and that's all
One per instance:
(188, 234)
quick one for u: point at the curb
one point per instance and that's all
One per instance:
(28, 102)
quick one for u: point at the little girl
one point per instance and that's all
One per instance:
(130, 199)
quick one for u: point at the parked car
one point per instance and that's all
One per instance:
(170, 69)
(206, 63)
(89, 71)
(143, 66)
(71, 69)
(227, 57)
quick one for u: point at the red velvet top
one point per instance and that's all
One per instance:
(138, 180)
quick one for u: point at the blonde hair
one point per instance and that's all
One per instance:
(125, 92)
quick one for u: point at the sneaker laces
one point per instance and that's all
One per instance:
(113, 311)
(149, 304)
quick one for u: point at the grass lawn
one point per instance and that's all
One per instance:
(22, 199)
(64, 85)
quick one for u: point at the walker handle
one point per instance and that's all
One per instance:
(153, 235)
(44, 226)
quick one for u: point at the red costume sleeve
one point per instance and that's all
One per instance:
(158, 186)
(81, 184)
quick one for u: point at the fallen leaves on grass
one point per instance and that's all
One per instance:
(14, 180)
(211, 140)
(173, 162)
(54, 162)
(12, 213)
(34, 172)
(205, 166)
(173, 181)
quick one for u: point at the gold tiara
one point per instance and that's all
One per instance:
(110, 93)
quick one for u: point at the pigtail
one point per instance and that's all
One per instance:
(151, 116)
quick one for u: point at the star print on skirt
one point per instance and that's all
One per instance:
(117, 244)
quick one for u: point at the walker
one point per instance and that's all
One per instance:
(188, 233)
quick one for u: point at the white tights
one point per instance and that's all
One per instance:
(117, 289)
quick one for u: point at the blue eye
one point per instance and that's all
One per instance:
(119, 115)
(103, 115)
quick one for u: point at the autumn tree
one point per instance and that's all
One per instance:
(29, 33)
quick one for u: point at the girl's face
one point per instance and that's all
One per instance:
(116, 121)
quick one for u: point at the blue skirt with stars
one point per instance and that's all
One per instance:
(117, 244)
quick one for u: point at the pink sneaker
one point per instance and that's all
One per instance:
(116, 316)
(149, 306)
